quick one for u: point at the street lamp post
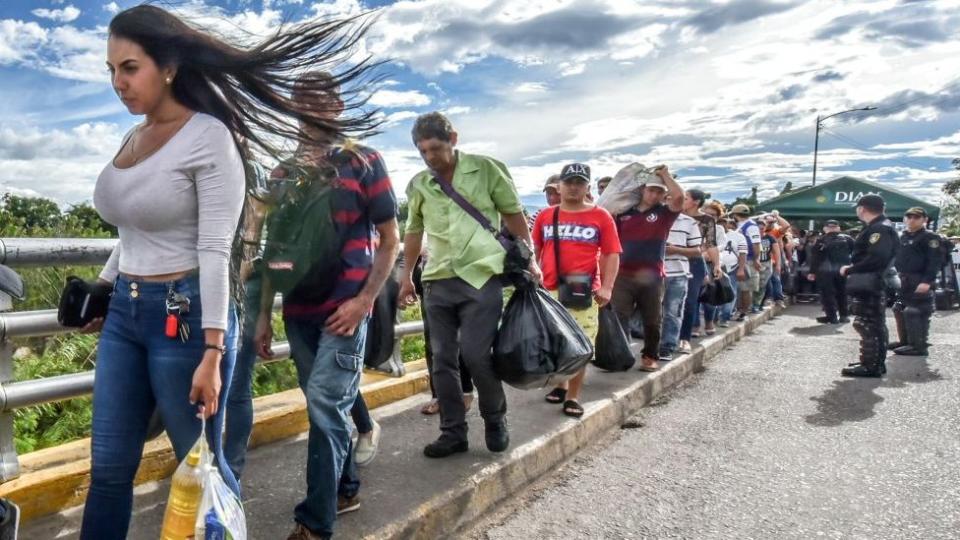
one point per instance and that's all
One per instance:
(816, 140)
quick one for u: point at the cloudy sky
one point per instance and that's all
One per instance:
(726, 93)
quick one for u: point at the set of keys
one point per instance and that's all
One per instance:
(178, 305)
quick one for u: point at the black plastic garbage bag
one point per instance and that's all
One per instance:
(717, 292)
(539, 342)
(380, 329)
(613, 347)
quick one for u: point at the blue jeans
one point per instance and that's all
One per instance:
(726, 310)
(673, 301)
(140, 370)
(691, 308)
(328, 367)
(240, 401)
(775, 287)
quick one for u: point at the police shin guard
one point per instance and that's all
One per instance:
(918, 327)
(872, 350)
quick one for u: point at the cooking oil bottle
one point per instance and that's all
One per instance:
(186, 488)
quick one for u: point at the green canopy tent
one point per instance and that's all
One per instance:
(837, 199)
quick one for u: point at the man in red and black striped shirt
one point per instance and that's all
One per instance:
(327, 335)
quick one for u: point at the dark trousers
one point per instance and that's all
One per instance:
(833, 293)
(466, 383)
(463, 322)
(912, 313)
(698, 267)
(870, 323)
(641, 292)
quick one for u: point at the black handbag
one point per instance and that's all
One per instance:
(865, 284)
(82, 301)
(574, 291)
(516, 262)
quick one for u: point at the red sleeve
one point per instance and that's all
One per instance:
(609, 238)
(537, 233)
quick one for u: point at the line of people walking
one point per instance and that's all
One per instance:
(208, 237)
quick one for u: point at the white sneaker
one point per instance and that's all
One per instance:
(367, 445)
(684, 347)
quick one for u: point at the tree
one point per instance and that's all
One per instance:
(29, 212)
(87, 217)
(950, 214)
(752, 201)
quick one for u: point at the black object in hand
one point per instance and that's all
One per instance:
(83, 301)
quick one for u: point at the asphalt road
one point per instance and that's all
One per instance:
(770, 442)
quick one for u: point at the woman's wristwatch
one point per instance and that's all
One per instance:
(221, 348)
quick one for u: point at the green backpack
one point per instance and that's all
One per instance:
(303, 247)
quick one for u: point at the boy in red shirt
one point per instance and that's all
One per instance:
(589, 251)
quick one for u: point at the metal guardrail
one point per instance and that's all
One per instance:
(27, 252)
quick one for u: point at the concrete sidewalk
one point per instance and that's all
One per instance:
(406, 495)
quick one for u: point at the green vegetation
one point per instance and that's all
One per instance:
(950, 215)
(56, 423)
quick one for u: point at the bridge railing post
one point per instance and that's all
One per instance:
(9, 460)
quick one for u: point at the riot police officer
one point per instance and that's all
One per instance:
(918, 262)
(831, 253)
(873, 252)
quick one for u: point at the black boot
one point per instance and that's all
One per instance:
(497, 436)
(446, 445)
(909, 350)
(826, 319)
(860, 370)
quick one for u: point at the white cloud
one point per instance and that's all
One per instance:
(453, 111)
(62, 164)
(530, 88)
(19, 39)
(112, 7)
(65, 15)
(399, 98)
(395, 118)
(568, 70)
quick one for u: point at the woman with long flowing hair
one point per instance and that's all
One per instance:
(175, 190)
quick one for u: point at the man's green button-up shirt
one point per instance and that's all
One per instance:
(457, 246)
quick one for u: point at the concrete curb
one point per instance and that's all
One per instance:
(448, 512)
(57, 478)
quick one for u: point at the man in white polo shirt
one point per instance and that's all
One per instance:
(682, 243)
(749, 229)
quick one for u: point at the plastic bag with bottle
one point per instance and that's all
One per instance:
(220, 514)
(200, 505)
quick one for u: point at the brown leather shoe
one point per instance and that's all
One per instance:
(347, 504)
(301, 532)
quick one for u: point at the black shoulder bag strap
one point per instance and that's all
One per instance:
(447, 188)
(556, 238)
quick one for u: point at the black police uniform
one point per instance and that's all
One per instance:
(874, 251)
(946, 295)
(830, 253)
(918, 261)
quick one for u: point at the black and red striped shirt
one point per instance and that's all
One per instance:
(364, 198)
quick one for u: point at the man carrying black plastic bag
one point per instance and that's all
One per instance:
(539, 341)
